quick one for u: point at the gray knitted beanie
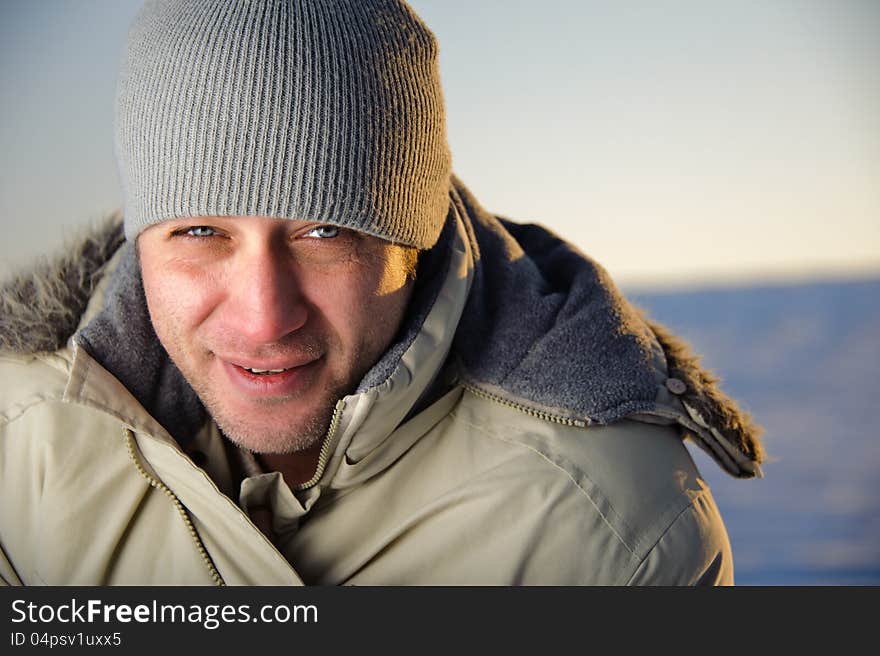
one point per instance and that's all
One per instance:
(323, 110)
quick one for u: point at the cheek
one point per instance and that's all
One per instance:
(373, 311)
(178, 300)
(362, 311)
(391, 298)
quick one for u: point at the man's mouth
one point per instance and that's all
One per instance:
(265, 372)
(272, 379)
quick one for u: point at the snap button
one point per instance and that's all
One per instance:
(676, 386)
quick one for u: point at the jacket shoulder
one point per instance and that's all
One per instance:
(29, 379)
(693, 550)
(637, 477)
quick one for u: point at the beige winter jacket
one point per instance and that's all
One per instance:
(476, 488)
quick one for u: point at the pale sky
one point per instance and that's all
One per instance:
(674, 141)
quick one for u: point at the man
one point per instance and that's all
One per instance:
(314, 358)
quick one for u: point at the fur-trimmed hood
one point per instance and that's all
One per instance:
(544, 328)
(41, 306)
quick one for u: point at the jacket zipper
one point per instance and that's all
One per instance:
(324, 455)
(206, 558)
(540, 414)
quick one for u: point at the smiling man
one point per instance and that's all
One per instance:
(307, 355)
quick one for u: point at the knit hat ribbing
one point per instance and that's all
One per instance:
(323, 110)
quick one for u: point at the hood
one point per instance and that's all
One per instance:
(41, 306)
(544, 329)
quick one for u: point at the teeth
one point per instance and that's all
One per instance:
(265, 371)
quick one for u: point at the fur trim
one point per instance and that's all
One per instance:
(703, 395)
(40, 308)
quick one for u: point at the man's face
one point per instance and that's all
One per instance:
(270, 320)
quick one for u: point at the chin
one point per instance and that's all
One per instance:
(279, 425)
(298, 433)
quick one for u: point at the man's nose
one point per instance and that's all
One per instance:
(265, 298)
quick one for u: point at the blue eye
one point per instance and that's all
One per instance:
(324, 232)
(201, 231)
